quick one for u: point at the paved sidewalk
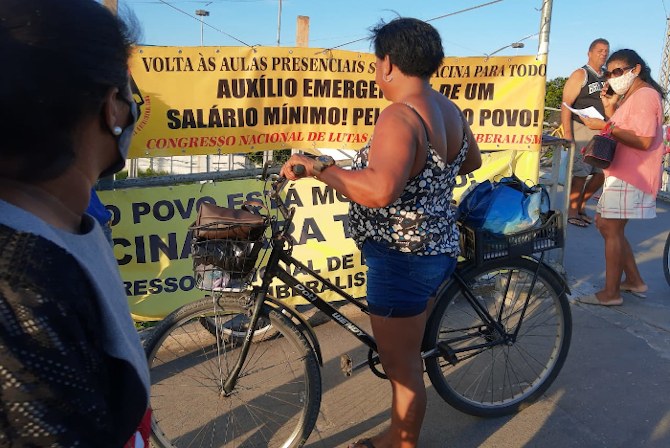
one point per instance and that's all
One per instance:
(613, 392)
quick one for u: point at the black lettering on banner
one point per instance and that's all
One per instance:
(453, 71)
(239, 64)
(167, 64)
(340, 88)
(451, 91)
(212, 118)
(206, 65)
(257, 88)
(523, 70)
(367, 115)
(469, 115)
(144, 287)
(479, 91)
(126, 258)
(293, 198)
(116, 213)
(344, 219)
(163, 210)
(487, 71)
(509, 117)
(323, 196)
(326, 195)
(168, 245)
(310, 231)
(336, 263)
(304, 115)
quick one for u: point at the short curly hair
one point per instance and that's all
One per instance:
(412, 44)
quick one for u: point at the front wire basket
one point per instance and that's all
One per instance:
(226, 264)
(481, 246)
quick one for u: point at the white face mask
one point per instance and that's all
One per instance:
(621, 84)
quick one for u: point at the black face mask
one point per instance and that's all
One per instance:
(123, 142)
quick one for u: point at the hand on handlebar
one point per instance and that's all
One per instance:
(291, 171)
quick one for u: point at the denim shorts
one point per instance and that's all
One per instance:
(400, 284)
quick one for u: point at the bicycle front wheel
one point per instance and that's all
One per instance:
(275, 402)
(488, 371)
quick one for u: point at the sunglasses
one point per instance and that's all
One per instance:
(616, 72)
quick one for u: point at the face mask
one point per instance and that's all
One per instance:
(123, 143)
(621, 84)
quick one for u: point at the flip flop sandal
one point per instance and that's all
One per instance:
(586, 218)
(639, 294)
(577, 222)
(591, 299)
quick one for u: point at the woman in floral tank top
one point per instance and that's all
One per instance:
(401, 187)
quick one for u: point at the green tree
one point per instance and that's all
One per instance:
(553, 98)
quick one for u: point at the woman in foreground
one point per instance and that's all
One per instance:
(72, 370)
(401, 187)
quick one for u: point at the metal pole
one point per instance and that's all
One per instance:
(545, 25)
(201, 13)
(279, 24)
(543, 50)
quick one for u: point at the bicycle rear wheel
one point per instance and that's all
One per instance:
(275, 402)
(492, 374)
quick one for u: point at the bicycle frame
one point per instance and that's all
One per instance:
(274, 270)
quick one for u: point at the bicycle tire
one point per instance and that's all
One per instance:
(502, 379)
(666, 259)
(275, 402)
(238, 327)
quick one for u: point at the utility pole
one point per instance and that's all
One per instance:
(201, 13)
(279, 24)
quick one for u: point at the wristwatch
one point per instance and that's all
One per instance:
(322, 162)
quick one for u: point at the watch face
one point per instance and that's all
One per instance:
(326, 160)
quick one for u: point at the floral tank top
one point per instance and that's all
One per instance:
(421, 220)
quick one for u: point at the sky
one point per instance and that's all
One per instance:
(470, 28)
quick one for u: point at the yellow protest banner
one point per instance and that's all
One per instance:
(152, 242)
(210, 100)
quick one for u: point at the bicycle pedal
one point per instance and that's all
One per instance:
(447, 352)
(346, 365)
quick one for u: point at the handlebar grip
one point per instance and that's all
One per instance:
(298, 170)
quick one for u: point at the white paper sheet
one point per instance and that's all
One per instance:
(589, 112)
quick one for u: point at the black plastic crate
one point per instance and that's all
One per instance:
(482, 246)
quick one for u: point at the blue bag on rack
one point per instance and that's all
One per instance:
(504, 207)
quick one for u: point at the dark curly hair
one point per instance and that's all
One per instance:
(62, 57)
(631, 58)
(412, 44)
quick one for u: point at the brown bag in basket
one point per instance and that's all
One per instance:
(214, 222)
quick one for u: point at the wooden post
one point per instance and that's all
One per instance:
(302, 32)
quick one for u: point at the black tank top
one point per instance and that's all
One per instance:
(590, 93)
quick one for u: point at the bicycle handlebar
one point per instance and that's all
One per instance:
(277, 187)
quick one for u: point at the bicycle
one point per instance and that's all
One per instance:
(497, 337)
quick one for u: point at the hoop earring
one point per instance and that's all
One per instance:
(117, 130)
(388, 78)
